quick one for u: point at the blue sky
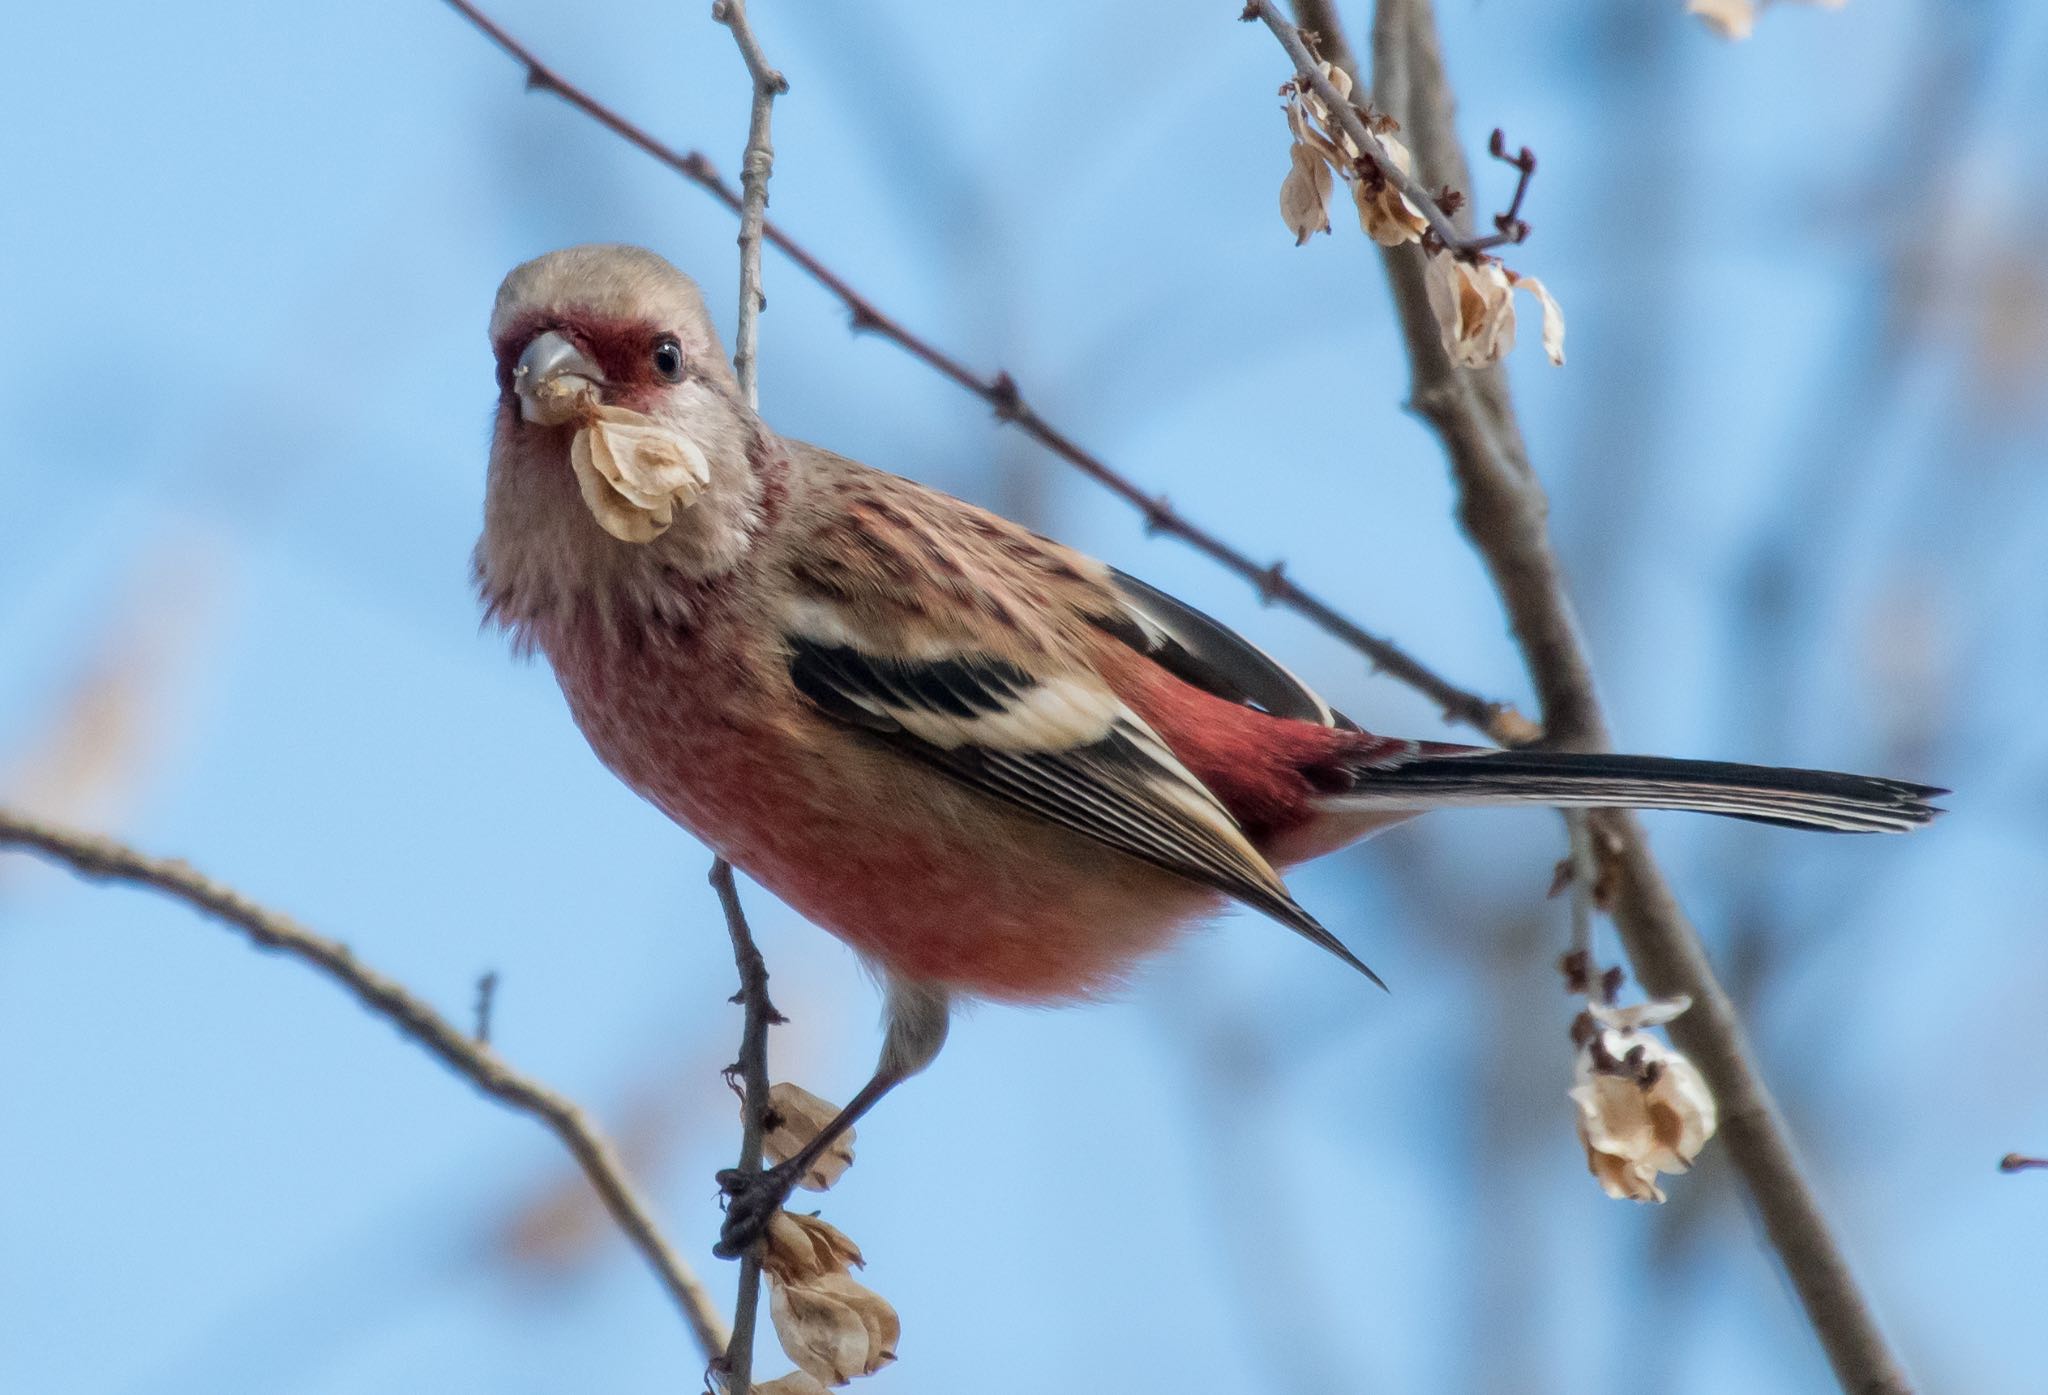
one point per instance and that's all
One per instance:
(246, 259)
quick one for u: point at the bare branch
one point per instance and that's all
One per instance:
(1503, 509)
(1585, 872)
(2020, 1162)
(102, 859)
(1498, 720)
(755, 168)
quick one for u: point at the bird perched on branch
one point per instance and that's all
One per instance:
(991, 765)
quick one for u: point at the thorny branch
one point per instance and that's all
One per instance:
(103, 859)
(759, 1015)
(1499, 721)
(756, 1012)
(1503, 508)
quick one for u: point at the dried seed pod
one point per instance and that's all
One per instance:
(633, 471)
(798, 1116)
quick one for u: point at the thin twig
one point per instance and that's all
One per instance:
(758, 1015)
(102, 859)
(757, 1012)
(1510, 226)
(756, 166)
(2020, 1162)
(1498, 720)
(486, 1002)
(1503, 509)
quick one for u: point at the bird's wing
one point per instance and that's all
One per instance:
(901, 558)
(965, 641)
(1204, 652)
(1060, 746)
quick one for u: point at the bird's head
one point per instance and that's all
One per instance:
(622, 446)
(611, 325)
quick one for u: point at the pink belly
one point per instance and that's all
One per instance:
(925, 878)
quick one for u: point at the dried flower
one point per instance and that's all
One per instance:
(1305, 194)
(1322, 147)
(796, 1117)
(1731, 19)
(1553, 316)
(1736, 19)
(1644, 1108)
(634, 470)
(1474, 305)
(1313, 125)
(797, 1248)
(1653, 1013)
(1475, 311)
(834, 1327)
(795, 1383)
(1384, 212)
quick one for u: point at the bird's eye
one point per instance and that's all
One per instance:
(668, 359)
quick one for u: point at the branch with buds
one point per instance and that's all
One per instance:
(832, 1326)
(1498, 720)
(1378, 158)
(102, 859)
(1643, 1108)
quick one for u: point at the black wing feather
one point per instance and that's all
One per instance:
(1203, 651)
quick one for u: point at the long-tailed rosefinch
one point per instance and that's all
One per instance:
(991, 765)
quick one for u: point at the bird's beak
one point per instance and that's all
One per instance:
(555, 380)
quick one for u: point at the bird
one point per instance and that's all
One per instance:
(995, 767)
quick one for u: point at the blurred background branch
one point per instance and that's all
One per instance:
(103, 859)
(1503, 508)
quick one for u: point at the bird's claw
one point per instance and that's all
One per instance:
(751, 1198)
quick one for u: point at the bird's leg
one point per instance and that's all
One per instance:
(917, 1029)
(751, 1198)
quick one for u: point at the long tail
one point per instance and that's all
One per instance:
(1819, 799)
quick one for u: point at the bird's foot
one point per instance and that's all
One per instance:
(751, 1198)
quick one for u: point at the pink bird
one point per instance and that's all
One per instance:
(991, 765)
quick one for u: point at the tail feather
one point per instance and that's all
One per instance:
(1816, 799)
